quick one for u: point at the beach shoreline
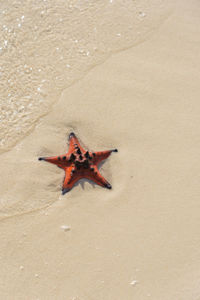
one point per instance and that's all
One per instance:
(139, 240)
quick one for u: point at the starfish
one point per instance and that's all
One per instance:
(79, 163)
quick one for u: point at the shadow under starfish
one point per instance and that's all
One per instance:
(79, 163)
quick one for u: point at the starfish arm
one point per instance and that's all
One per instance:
(74, 145)
(101, 155)
(61, 161)
(69, 180)
(96, 176)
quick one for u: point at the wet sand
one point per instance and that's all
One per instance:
(141, 239)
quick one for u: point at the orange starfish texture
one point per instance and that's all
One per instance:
(79, 163)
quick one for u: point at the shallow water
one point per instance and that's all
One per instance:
(47, 45)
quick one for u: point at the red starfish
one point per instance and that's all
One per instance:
(79, 163)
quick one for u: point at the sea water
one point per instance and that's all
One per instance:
(45, 46)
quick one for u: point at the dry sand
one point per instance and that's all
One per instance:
(141, 240)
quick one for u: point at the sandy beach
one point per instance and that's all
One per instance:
(140, 240)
